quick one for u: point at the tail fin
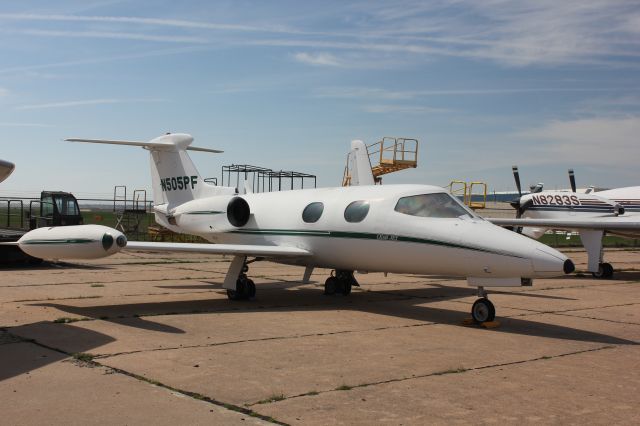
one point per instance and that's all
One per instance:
(358, 165)
(174, 177)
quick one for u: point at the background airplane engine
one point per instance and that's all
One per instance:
(72, 242)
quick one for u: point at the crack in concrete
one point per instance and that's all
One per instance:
(166, 293)
(192, 395)
(247, 308)
(559, 312)
(106, 282)
(599, 319)
(434, 374)
(263, 339)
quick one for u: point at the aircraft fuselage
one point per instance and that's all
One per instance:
(385, 240)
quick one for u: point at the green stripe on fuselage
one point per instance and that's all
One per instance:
(205, 212)
(365, 236)
(61, 241)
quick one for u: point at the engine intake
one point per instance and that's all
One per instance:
(238, 212)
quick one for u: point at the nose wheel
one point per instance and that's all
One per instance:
(482, 309)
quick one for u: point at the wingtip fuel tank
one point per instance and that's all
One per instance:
(72, 242)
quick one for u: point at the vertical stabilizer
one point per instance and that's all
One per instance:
(358, 165)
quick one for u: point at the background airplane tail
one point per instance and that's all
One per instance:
(174, 177)
(358, 168)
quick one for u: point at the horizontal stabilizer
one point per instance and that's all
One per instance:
(161, 146)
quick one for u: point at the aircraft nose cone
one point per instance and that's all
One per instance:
(549, 262)
(568, 266)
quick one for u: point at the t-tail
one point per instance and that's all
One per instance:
(174, 177)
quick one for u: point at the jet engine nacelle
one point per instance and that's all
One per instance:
(72, 242)
(238, 212)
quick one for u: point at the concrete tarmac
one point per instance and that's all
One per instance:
(143, 338)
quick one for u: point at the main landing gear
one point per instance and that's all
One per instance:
(605, 270)
(340, 283)
(245, 287)
(482, 309)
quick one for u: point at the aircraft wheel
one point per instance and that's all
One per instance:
(251, 289)
(330, 286)
(242, 290)
(483, 310)
(605, 270)
(346, 288)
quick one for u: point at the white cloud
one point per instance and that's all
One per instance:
(522, 33)
(68, 104)
(608, 142)
(403, 109)
(110, 35)
(545, 32)
(3, 92)
(103, 59)
(178, 23)
(324, 59)
(380, 93)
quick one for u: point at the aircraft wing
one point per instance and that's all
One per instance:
(231, 249)
(604, 224)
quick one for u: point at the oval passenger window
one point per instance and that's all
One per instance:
(312, 212)
(356, 211)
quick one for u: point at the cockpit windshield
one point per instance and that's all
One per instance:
(440, 205)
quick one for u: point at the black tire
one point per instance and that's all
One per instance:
(346, 288)
(233, 295)
(330, 286)
(483, 311)
(241, 291)
(607, 270)
(251, 289)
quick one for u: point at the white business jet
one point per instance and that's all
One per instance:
(591, 214)
(415, 229)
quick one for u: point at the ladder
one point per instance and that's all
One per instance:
(129, 214)
(392, 155)
(473, 194)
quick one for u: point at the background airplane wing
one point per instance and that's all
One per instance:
(233, 249)
(605, 224)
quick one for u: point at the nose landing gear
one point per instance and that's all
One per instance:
(482, 309)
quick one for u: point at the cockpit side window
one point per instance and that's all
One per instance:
(437, 205)
(356, 211)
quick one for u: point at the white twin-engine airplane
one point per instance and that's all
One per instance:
(591, 214)
(415, 229)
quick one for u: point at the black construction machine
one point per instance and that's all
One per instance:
(54, 208)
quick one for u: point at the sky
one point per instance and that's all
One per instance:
(483, 85)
